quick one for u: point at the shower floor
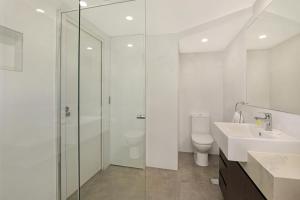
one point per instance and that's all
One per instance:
(190, 182)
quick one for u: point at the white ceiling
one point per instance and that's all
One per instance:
(168, 16)
(163, 16)
(173, 16)
(112, 19)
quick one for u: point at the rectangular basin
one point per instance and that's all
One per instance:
(235, 140)
(276, 175)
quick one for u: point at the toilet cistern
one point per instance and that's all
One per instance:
(134, 140)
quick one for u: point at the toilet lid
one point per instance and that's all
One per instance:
(202, 138)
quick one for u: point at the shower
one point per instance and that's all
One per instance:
(102, 65)
(72, 106)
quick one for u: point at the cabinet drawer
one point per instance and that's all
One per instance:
(223, 186)
(223, 169)
(223, 157)
(222, 164)
(252, 191)
(235, 183)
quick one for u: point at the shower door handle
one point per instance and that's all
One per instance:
(140, 116)
(67, 111)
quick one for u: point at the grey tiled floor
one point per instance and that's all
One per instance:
(190, 182)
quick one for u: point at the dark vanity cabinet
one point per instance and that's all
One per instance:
(234, 182)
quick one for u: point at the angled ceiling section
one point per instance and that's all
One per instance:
(173, 16)
(219, 32)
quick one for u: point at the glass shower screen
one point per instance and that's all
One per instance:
(103, 101)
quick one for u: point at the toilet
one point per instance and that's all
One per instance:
(201, 138)
(134, 139)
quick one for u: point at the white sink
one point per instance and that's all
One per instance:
(235, 140)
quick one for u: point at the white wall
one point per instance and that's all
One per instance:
(235, 69)
(234, 82)
(27, 110)
(201, 90)
(162, 101)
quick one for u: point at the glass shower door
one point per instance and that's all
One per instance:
(81, 99)
(122, 175)
(128, 101)
(103, 102)
(90, 104)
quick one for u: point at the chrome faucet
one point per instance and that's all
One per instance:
(267, 120)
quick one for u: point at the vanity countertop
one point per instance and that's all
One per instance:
(276, 175)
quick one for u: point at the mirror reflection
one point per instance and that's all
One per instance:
(273, 61)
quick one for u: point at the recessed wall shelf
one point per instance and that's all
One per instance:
(11, 49)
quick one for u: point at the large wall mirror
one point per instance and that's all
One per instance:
(273, 58)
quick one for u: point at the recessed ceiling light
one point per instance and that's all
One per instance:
(40, 10)
(262, 37)
(204, 40)
(130, 45)
(89, 48)
(83, 3)
(129, 18)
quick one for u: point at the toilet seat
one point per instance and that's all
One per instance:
(134, 134)
(202, 139)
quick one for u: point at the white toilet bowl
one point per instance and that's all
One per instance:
(201, 138)
(202, 144)
(134, 140)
